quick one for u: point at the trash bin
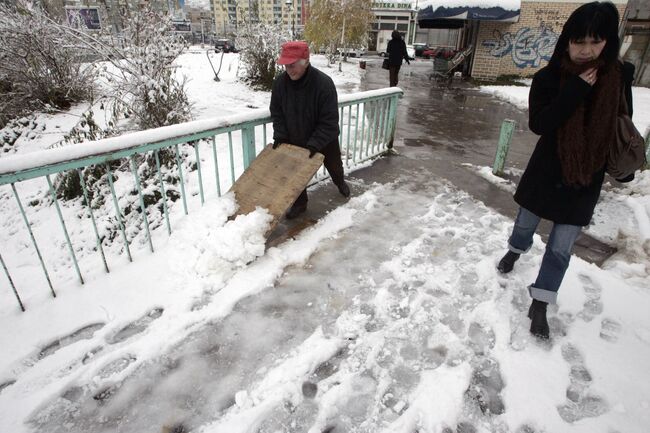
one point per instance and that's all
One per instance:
(362, 64)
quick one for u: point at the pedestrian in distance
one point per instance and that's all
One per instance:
(573, 105)
(396, 50)
(304, 109)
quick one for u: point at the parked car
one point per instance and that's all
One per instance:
(419, 48)
(225, 45)
(439, 53)
(410, 51)
(352, 52)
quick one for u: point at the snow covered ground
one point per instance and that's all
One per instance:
(388, 315)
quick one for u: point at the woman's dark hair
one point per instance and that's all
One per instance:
(596, 19)
(396, 34)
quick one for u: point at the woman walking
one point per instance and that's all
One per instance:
(396, 50)
(573, 106)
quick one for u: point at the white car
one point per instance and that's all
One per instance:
(352, 52)
(410, 51)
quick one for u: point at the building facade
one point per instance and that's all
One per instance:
(522, 47)
(230, 14)
(389, 16)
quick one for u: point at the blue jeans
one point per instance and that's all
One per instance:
(556, 258)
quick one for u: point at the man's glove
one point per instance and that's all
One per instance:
(276, 144)
(407, 62)
(312, 151)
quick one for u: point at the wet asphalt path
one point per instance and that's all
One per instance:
(439, 131)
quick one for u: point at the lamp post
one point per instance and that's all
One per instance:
(289, 4)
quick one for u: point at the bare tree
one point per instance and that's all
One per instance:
(336, 24)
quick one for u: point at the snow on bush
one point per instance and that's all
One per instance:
(260, 47)
(40, 63)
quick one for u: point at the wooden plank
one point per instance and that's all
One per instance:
(293, 230)
(275, 179)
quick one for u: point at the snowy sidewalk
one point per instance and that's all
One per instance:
(388, 315)
(359, 324)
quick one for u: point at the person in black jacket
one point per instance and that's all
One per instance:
(304, 109)
(396, 50)
(573, 105)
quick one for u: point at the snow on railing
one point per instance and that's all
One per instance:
(160, 161)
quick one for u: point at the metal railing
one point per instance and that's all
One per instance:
(505, 137)
(367, 128)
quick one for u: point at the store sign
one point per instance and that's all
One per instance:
(386, 5)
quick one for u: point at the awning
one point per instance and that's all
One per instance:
(437, 14)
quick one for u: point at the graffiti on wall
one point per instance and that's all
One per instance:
(528, 47)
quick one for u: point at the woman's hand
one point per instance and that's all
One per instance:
(590, 76)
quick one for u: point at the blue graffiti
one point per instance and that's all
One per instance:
(528, 46)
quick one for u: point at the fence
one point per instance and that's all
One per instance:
(142, 176)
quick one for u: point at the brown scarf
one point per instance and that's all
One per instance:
(584, 140)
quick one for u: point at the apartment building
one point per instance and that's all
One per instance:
(229, 14)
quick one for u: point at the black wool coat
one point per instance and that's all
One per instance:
(541, 189)
(396, 50)
(305, 112)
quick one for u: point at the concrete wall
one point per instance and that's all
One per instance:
(522, 48)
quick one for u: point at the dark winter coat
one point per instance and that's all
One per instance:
(305, 112)
(396, 50)
(541, 189)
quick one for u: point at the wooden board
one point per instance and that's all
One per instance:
(275, 179)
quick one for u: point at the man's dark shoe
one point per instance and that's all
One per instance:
(344, 189)
(508, 262)
(296, 210)
(538, 322)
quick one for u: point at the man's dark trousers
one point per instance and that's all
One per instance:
(334, 167)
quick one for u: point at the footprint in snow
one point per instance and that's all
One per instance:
(462, 427)
(84, 333)
(593, 305)
(115, 366)
(481, 338)
(485, 387)
(580, 404)
(610, 330)
(135, 327)
(6, 384)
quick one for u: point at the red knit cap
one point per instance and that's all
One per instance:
(292, 52)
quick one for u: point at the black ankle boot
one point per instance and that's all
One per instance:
(538, 322)
(508, 262)
(344, 189)
(296, 209)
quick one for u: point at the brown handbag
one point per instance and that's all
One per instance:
(627, 154)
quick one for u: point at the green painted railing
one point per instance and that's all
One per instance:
(367, 128)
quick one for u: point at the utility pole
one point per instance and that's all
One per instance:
(342, 47)
(289, 4)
